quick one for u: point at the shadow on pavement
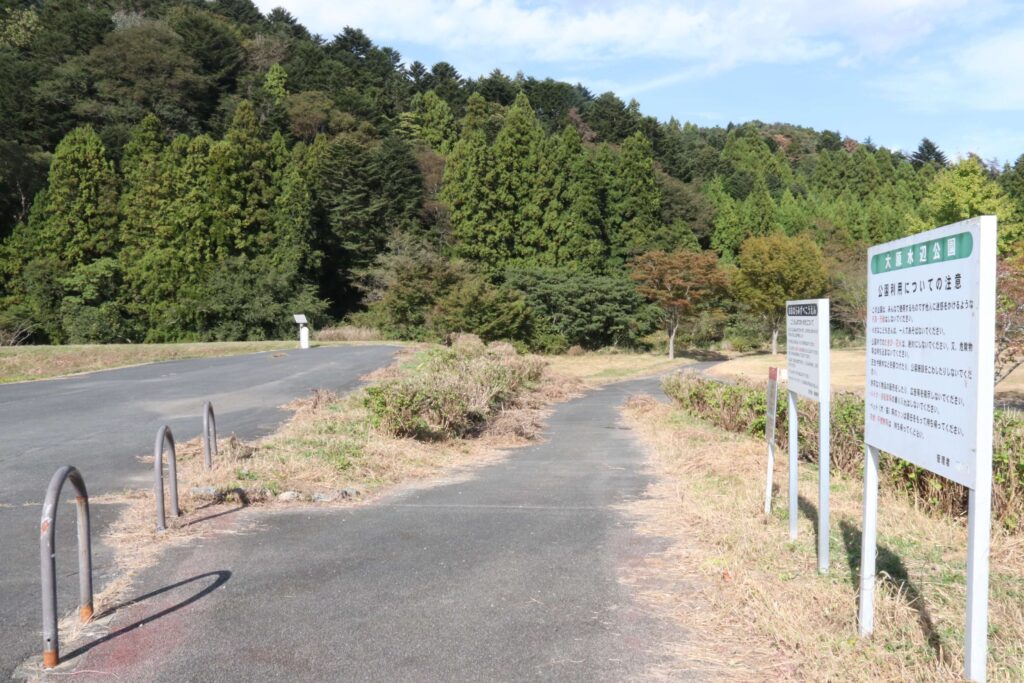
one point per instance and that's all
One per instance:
(220, 578)
(701, 355)
(197, 520)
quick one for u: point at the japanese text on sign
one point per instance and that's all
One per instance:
(922, 337)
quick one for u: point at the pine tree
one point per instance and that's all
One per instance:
(928, 154)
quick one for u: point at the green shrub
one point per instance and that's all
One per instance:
(452, 392)
(742, 408)
(583, 309)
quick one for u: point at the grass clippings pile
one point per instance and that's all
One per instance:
(759, 611)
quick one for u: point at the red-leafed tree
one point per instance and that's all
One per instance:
(680, 282)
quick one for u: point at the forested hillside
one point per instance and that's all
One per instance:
(196, 170)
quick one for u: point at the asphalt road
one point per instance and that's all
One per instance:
(100, 422)
(511, 574)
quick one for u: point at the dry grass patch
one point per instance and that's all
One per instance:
(348, 333)
(758, 610)
(19, 363)
(596, 368)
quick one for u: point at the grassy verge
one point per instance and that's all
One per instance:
(742, 407)
(757, 609)
(595, 368)
(20, 363)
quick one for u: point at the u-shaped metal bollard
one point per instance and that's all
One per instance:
(209, 434)
(48, 561)
(164, 436)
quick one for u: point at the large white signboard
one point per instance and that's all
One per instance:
(922, 386)
(928, 394)
(807, 345)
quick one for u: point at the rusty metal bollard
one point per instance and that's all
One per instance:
(48, 562)
(209, 434)
(164, 436)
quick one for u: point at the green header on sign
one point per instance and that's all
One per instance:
(923, 253)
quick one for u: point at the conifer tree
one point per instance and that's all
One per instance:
(572, 216)
(758, 211)
(728, 234)
(243, 182)
(465, 193)
(512, 180)
(634, 205)
(70, 277)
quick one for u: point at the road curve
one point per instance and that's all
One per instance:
(100, 422)
(513, 574)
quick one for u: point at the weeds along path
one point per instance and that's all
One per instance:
(100, 422)
(512, 573)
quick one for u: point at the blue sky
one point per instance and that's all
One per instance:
(894, 70)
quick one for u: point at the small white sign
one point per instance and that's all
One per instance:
(807, 346)
(922, 386)
(300, 319)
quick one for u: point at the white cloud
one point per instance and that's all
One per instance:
(982, 75)
(935, 53)
(713, 35)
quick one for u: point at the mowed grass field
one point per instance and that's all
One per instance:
(848, 367)
(597, 368)
(20, 363)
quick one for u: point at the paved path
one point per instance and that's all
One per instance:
(512, 574)
(100, 422)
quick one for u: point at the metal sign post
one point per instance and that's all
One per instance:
(769, 428)
(303, 324)
(808, 340)
(929, 394)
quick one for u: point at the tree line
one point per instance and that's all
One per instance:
(192, 170)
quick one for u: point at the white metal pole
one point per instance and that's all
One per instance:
(979, 509)
(793, 450)
(824, 432)
(869, 542)
(979, 522)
